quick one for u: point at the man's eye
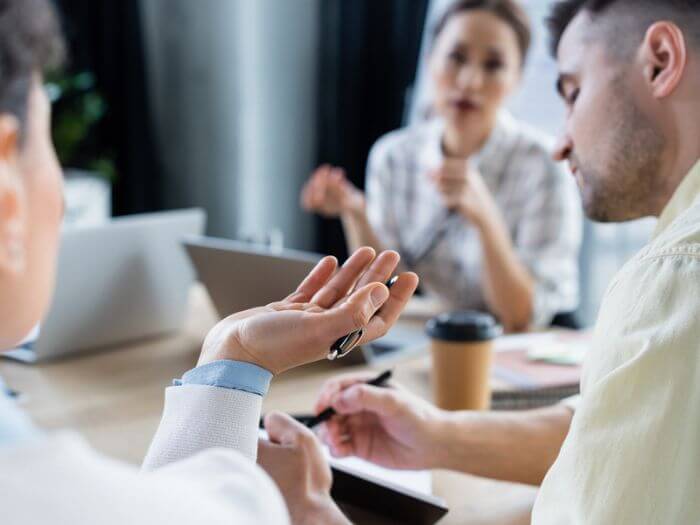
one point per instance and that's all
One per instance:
(573, 95)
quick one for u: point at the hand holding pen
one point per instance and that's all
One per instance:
(391, 426)
(329, 412)
(326, 414)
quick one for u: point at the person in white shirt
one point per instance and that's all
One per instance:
(201, 465)
(471, 198)
(630, 78)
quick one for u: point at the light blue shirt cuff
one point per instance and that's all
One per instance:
(236, 375)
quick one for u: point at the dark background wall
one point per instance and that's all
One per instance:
(368, 54)
(105, 37)
(368, 63)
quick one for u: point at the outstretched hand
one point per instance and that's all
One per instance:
(330, 303)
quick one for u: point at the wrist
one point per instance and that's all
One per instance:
(225, 345)
(356, 210)
(475, 217)
(438, 429)
(449, 431)
(209, 357)
(488, 221)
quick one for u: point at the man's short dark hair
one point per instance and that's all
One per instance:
(30, 43)
(685, 13)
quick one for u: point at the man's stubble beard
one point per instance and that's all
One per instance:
(629, 184)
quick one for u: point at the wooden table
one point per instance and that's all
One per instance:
(114, 398)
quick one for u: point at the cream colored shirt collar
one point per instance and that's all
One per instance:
(686, 194)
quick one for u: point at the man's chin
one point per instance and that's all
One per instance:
(609, 215)
(596, 210)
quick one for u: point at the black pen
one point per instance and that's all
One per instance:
(328, 413)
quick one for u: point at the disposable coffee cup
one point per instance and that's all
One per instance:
(462, 348)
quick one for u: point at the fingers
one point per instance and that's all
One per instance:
(284, 430)
(313, 282)
(448, 184)
(452, 170)
(313, 192)
(374, 308)
(267, 452)
(326, 180)
(337, 176)
(455, 168)
(366, 398)
(344, 280)
(399, 296)
(352, 314)
(305, 197)
(381, 269)
(331, 388)
(338, 435)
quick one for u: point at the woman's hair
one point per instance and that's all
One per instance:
(30, 42)
(510, 11)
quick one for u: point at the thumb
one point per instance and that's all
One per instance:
(266, 452)
(366, 398)
(284, 430)
(354, 312)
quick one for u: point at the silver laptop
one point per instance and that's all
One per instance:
(240, 275)
(125, 280)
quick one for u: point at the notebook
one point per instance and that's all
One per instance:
(364, 490)
(538, 369)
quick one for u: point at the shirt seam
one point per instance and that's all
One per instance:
(680, 252)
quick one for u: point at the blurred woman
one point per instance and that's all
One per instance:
(470, 198)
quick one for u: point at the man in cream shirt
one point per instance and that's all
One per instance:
(630, 74)
(630, 78)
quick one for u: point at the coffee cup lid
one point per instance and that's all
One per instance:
(466, 326)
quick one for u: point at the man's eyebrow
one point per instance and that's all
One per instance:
(561, 80)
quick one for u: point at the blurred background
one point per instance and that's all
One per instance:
(230, 104)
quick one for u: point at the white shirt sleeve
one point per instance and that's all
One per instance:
(210, 433)
(199, 417)
(62, 481)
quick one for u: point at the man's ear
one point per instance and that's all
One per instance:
(665, 57)
(12, 199)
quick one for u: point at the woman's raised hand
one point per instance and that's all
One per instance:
(329, 193)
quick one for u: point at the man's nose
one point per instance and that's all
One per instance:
(562, 148)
